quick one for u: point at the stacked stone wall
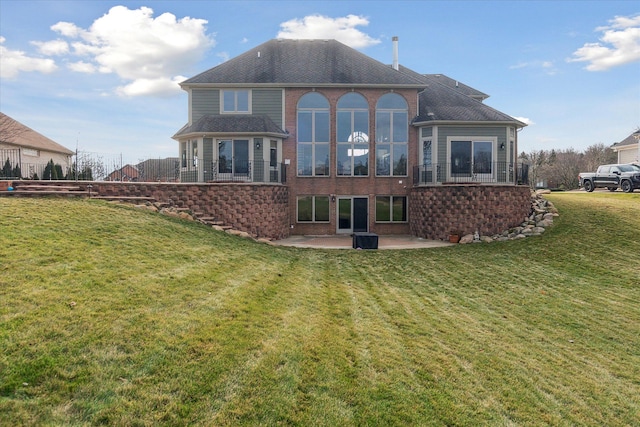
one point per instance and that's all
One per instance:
(437, 212)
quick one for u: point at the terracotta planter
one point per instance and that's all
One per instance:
(454, 238)
(4, 185)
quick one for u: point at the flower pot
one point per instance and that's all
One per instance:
(454, 238)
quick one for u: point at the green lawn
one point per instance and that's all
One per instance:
(112, 315)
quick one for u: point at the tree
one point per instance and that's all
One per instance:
(596, 155)
(562, 172)
(6, 170)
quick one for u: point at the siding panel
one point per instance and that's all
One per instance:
(204, 101)
(269, 102)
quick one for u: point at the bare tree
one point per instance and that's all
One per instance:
(596, 155)
(563, 168)
(10, 129)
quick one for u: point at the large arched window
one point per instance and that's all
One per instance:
(352, 127)
(392, 135)
(313, 135)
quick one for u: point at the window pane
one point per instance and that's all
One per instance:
(305, 209)
(360, 159)
(322, 209)
(224, 156)
(426, 152)
(229, 103)
(400, 127)
(383, 208)
(383, 127)
(392, 101)
(461, 157)
(482, 154)
(399, 159)
(304, 126)
(352, 100)
(344, 126)
(344, 161)
(313, 100)
(383, 159)
(241, 156)
(361, 122)
(399, 209)
(305, 159)
(322, 126)
(322, 159)
(242, 100)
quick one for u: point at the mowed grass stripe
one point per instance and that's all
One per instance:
(177, 324)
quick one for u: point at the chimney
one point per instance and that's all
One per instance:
(395, 52)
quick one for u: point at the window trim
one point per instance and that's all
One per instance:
(473, 139)
(235, 110)
(313, 209)
(313, 143)
(392, 143)
(353, 145)
(391, 200)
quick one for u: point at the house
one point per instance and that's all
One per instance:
(127, 173)
(360, 144)
(150, 170)
(628, 149)
(30, 150)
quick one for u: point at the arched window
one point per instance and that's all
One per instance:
(313, 135)
(392, 135)
(352, 127)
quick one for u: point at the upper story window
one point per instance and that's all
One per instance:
(352, 127)
(235, 101)
(392, 135)
(313, 135)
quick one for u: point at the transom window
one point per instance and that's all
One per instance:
(352, 127)
(391, 209)
(392, 135)
(235, 101)
(313, 135)
(313, 209)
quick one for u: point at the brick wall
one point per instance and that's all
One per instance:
(434, 212)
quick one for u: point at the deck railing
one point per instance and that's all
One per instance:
(471, 173)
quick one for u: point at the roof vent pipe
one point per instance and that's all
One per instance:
(395, 52)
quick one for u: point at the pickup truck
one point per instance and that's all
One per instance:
(624, 176)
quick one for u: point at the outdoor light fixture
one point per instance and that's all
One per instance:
(257, 145)
(502, 147)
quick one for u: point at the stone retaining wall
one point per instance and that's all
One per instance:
(259, 209)
(437, 212)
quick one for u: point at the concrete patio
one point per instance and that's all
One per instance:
(345, 242)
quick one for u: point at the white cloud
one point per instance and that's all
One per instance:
(147, 53)
(323, 27)
(619, 45)
(12, 62)
(525, 120)
(161, 86)
(82, 67)
(53, 47)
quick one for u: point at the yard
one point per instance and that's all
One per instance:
(112, 315)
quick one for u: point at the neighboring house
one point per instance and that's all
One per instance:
(127, 173)
(150, 170)
(354, 135)
(29, 149)
(628, 149)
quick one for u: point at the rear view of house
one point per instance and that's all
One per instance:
(361, 146)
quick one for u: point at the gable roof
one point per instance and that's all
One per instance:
(232, 123)
(630, 140)
(440, 103)
(303, 63)
(15, 133)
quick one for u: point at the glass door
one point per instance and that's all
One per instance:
(353, 215)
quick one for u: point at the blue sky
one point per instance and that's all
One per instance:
(102, 75)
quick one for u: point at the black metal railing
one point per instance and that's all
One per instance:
(235, 171)
(471, 173)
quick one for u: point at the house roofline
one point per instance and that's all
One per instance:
(228, 134)
(515, 122)
(297, 85)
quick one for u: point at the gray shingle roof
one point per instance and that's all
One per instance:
(232, 123)
(15, 133)
(630, 140)
(439, 102)
(304, 62)
(459, 86)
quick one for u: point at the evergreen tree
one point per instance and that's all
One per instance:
(7, 169)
